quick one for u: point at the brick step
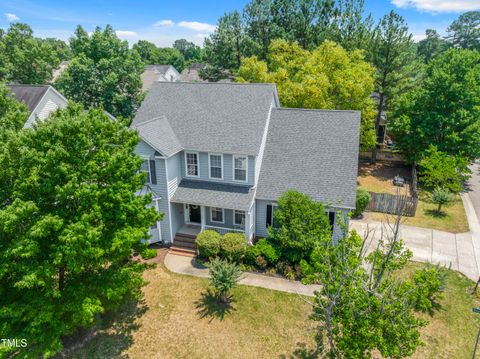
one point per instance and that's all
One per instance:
(184, 239)
(181, 251)
(186, 235)
(179, 243)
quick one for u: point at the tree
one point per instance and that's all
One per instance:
(69, 223)
(60, 47)
(103, 72)
(444, 111)
(438, 169)
(169, 56)
(147, 51)
(363, 309)
(224, 276)
(299, 221)
(442, 197)
(227, 45)
(327, 77)
(13, 114)
(432, 46)
(394, 58)
(465, 31)
(26, 59)
(361, 203)
(189, 50)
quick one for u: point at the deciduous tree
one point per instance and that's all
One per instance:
(103, 72)
(69, 223)
(432, 46)
(465, 31)
(327, 77)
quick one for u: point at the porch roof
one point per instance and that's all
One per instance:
(213, 194)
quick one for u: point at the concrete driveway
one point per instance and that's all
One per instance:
(473, 189)
(459, 251)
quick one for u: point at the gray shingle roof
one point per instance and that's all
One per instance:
(216, 117)
(314, 152)
(158, 134)
(213, 194)
(30, 95)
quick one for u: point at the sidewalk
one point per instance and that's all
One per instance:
(187, 265)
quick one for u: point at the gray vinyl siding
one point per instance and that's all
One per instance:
(227, 219)
(174, 172)
(261, 220)
(160, 188)
(227, 169)
(50, 102)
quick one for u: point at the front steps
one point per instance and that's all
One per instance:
(184, 245)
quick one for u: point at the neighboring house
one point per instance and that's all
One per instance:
(41, 100)
(191, 73)
(162, 73)
(219, 155)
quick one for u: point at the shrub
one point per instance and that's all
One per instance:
(363, 197)
(208, 244)
(429, 283)
(268, 251)
(260, 262)
(149, 253)
(233, 246)
(224, 276)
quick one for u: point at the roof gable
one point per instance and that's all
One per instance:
(318, 153)
(30, 95)
(158, 134)
(215, 117)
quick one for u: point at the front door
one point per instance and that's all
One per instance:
(195, 216)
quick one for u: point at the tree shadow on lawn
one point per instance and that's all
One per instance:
(435, 214)
(109, 337)
(210, 306)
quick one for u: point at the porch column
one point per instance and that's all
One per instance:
(202, 217)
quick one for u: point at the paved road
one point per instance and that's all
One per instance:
(474, 188)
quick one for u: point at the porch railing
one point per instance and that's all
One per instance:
(223, 230)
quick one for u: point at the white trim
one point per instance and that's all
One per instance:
(169, 205)
(210, 167)
(186, 164)
(223, 215)
(244, 218)
(158, 222)
(246, 168)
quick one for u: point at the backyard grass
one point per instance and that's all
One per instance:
(176, 320)
(378, 178)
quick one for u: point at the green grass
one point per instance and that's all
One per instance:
(178, 319)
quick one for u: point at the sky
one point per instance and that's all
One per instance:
(162, 22)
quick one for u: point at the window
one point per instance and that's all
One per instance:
(216, 161)
(271, 208)
(240, 168)
(239, 218)
(216, 214)
(331, 219)
(154, 226)
(191, 160)
(145, 167)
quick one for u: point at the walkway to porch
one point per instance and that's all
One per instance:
(190, 229)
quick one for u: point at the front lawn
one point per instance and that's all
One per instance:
(378, 178)
(175, 321)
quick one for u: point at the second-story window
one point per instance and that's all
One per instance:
(215, 166)
(145, 167)
(192, 164)
(240, 168)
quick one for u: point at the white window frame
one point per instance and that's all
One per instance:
(210, 166)
(274, 207)
(246, 168)
(244, 215)
(223, 215)
(149, 178)
(186, 163)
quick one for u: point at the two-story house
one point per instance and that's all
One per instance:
(218, 156)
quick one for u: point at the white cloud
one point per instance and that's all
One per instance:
(125, 33)
(197, 26)
(164, 23)
(437, 6)
(11, 17)
(201, 36)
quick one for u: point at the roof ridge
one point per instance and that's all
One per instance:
(28, 85)
(313, 109)
(215, 83)
(151, 120)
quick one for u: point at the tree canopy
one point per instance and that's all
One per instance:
(69, 223)
(103, 72)
(25, 59)
(465, 31)
(327, 77)
(153, 55)
(444, 110)
(432, 46)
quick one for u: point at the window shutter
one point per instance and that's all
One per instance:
(153, 173)
(269, 215)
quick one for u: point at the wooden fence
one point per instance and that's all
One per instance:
(390, 203)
